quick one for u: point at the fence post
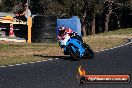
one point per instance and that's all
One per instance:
(29, 22)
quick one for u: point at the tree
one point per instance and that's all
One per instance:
(107, 12)
(47, 7)
(91, 9)
(94, 14)
(8, 5)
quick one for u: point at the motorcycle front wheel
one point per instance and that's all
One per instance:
(74, 55)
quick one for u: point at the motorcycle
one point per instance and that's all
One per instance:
(73, 46)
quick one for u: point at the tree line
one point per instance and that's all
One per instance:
(96, 15)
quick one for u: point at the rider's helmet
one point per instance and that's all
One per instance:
(61, 30)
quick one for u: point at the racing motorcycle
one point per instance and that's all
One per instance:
(73, 46)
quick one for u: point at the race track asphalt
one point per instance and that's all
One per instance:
(62, 73)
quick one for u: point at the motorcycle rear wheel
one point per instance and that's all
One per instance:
(89, 51)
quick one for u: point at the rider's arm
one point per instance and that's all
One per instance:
(59, 37)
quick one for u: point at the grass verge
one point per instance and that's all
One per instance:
(15, 53)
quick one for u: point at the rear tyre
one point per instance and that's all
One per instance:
(89, 51)
(74, 55)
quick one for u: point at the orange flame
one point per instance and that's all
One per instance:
(81, 71)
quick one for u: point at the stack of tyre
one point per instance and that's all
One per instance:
(44, 29)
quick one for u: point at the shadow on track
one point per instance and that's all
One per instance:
(60, 57)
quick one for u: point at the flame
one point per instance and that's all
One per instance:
(81, 71)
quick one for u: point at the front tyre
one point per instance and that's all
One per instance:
(74, 55)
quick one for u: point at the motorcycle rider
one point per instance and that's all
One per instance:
(63, 31)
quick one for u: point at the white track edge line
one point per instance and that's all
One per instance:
(114, 47)
(58, 58)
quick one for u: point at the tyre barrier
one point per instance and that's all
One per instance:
(44, 29)
(45, 18)
(45, 24)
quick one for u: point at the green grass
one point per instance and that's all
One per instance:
(126, 31)
(109, 39)
(2, 46)
(15, 53)
(99, 43)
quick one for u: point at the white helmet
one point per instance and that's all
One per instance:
(61, 30)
